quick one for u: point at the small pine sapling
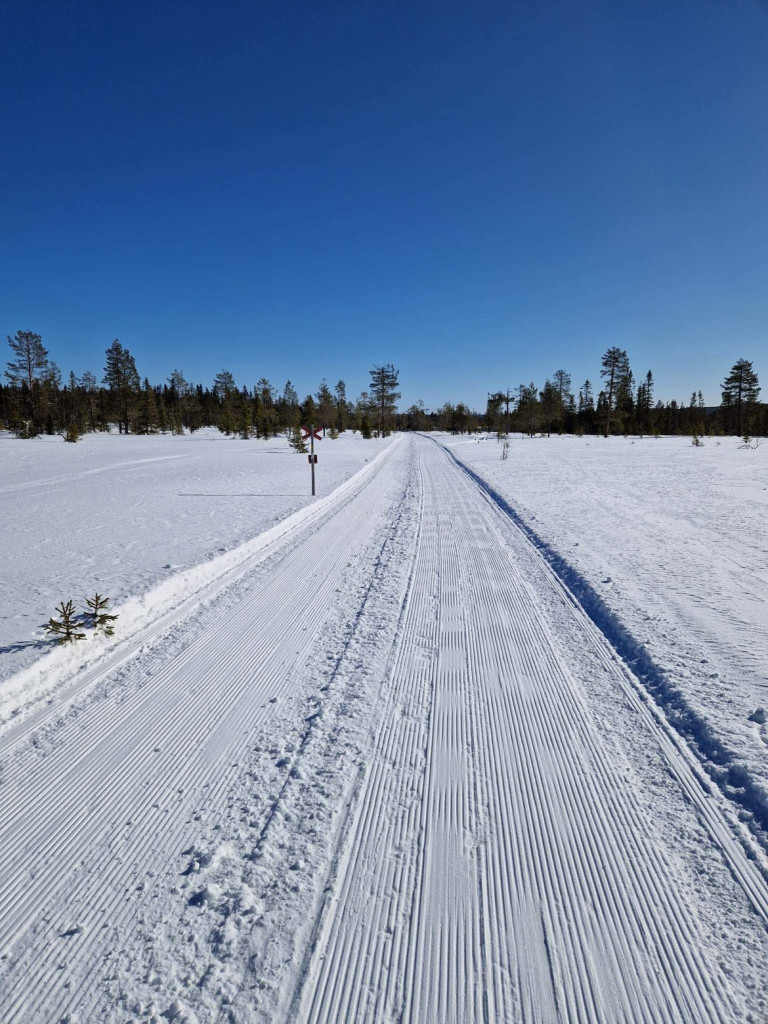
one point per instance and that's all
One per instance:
(696, 441)
(64, 630)
(100, 619)
(749, 442)
(296, 441)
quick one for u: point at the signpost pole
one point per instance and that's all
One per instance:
(312, 454)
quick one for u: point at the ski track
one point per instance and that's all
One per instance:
(491, 864)
(496, 870)
(171, 744)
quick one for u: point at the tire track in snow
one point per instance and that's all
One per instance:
(495, 867)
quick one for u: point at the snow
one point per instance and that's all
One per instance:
(667, 544)
(386, 760)
(118, 515)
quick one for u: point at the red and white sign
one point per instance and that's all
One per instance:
(307, 433)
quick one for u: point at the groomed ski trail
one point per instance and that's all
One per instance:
(496, 868)
(388, 776)
(101, 793)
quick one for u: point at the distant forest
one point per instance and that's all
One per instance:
(36, 399)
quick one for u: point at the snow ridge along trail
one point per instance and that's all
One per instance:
(391, 773)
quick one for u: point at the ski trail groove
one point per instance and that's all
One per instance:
(84, 824)
(495, 867)
(492, 858)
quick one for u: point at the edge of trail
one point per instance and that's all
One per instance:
(59, 674)
(698, 768)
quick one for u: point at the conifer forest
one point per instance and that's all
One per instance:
(37, 398)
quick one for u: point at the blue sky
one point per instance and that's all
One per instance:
(479, 193)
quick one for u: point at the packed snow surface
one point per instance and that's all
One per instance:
(119, 514)
(667, 544)
(389, 760)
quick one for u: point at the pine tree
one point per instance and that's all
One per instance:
(226, 395)
(562, 383)
(740, 391)
(309, 413)
(179, 391)
(586, 397)
(325, 405)
(122, 378)
(30, 359)
(384, 393)
(265, 416)
(100, 619)
(26, 371)
(90, 389)
(615, 366)
(64, 630)
(341, 406)
(550, 403)
(528, 408)
(290, 411)
(645, 401)
(148, 418)
(296, 440)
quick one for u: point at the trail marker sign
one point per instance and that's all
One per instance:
(312, 434)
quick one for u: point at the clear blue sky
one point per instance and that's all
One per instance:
(480, 193)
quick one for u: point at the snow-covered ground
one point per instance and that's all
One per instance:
(118, 515)
(378, 764)
(672, 541)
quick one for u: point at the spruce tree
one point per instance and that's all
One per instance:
(64, 630)
(101, 621)
(296, 440)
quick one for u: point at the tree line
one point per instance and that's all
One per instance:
(622, 405)
(36, 400)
